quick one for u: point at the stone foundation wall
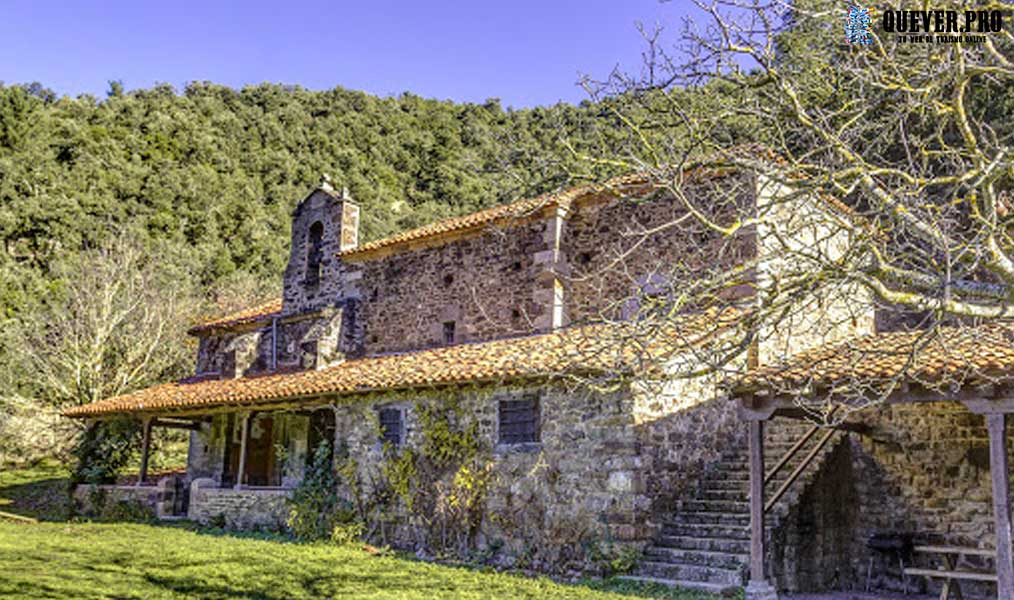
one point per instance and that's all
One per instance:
(263, 509)
(583, 481)
(156, 498)
(812, 547)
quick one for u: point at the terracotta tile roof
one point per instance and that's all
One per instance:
(247, 315)
(498, 214)
(598, 348)
(947, 356)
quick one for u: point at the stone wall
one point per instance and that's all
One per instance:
(682, 430)
(338, 218)
(813, 546)
(922, 469)
(796, 237)
(483, 284)
(263, 509)
(583, 480)
(613, 260)
(158, 499)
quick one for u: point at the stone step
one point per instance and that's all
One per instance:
(706, 530)
(704, 558)
(737, 545)
(712, 518)
(731, 475)
(734, 495)
(703, 574)
(725, 484)
(699, 586)
(716, 506)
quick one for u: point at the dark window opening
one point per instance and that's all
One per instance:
(448, 279)
(515, 314)
(584, 258)
(516, 266)
(314, 253)
(519, 420)
(390, 426)
(449, 333)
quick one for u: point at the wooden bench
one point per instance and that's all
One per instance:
(949, 571)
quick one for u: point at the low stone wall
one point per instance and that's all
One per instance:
(157, 498)
(238, 508)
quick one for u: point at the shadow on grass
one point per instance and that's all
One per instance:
(42, 499)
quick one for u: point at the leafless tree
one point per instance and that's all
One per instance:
(904, 147)
(113, 324)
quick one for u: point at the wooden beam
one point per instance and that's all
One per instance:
(145, 451)
(1000, 475)
(244, 433)
(191, 425)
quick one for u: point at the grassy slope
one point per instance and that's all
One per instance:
(82, 560)
(91, 560)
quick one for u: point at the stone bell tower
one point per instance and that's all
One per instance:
(325, 223)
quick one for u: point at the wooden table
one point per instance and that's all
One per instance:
(949, 571)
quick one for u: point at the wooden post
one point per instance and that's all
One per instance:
(999, 473)
(145, 451)
(244, 433)
(758, 587)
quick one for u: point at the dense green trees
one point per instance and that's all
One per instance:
(214, 172)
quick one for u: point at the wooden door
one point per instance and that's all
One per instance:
(260, 452)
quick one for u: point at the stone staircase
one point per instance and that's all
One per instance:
(705, 544)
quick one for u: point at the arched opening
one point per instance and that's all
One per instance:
(314, 253)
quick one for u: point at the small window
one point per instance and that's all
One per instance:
(448, 279)
(519, 420)
(448, 333)
(314, 253)
(390, 426)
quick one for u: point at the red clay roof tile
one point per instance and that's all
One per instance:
(578, 349)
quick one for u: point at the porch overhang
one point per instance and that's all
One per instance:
(973, 366)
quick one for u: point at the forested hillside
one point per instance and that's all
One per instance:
(211, 173)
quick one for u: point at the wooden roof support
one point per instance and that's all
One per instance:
(145, 451)
(758, 587)
(244, 435)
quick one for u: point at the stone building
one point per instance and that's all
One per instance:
(465, 380)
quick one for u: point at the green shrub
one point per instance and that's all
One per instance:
(103, 449)
(315, 510)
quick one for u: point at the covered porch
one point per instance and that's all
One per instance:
(241, 465)
(968, 370)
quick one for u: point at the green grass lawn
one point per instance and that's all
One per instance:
(82, 560)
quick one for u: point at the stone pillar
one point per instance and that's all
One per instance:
(758, 588)
(145, 451)
(552, 265)
(1000, 474)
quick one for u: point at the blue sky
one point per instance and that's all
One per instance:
(526, 52)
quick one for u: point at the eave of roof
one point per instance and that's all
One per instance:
(599, 348)
(948, 356)
(255, 314)
(504, 213)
